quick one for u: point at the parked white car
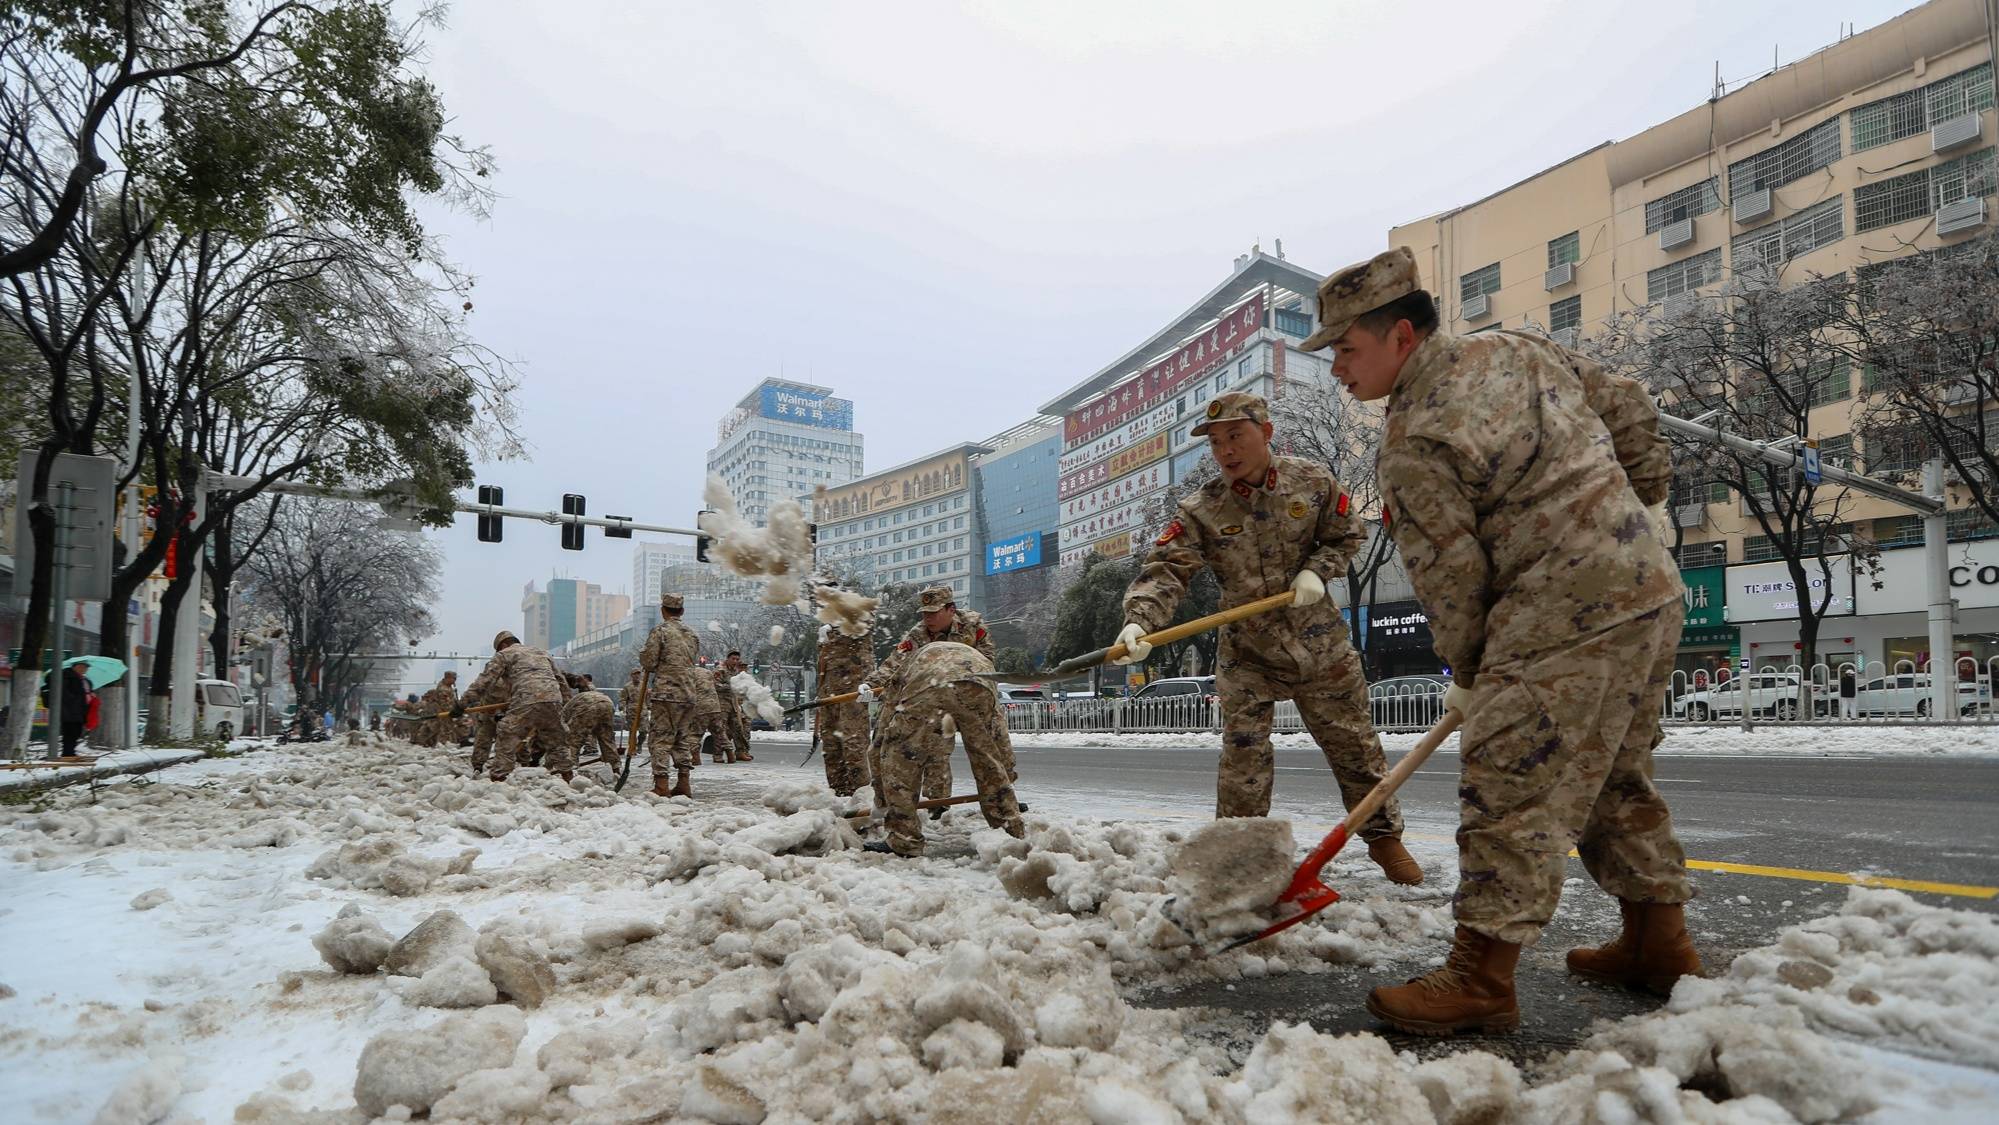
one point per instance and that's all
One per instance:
(1909, 694)
(218, 709)
(1771, 694)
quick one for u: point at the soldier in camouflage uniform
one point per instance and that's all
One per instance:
(437, 703)
(732, 707)
(714, 732)
(1516, 478)
(670, 657)
(844, 662)
(942, 621)
(535, 691)
(587, 718)
(920, 686)
(485, 726)
(1270, 523)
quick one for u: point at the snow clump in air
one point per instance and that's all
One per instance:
(779, 554)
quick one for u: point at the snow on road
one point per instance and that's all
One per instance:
(241, 940)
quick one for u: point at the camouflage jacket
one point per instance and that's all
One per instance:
(911, 671)
(723, 689)
(521, 676)
(586, 709)
(1515, 476)
(844, 662)
(707, 694)
(439, 699)
(670, 655)
(1256, 540)
(966, 628)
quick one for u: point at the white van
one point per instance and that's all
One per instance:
(218, 709)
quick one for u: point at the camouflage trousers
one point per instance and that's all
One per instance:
(1335, 711)
(538, 725)
(912, 742)
(673, 736)
(425, 733)
(843, 741)
(935, 780)
(601, 734)
(1558, 755)
(483, 729)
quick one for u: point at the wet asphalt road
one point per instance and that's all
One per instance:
(1928, 820)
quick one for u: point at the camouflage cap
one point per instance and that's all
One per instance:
(935, 598)
(501, 638)
(1235, 406)
(671, 601)
(1360, 289)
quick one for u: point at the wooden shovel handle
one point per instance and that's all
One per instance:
(1180, 632)
(961, 799)
(825, 701)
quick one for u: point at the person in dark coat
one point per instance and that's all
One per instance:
(75, 707)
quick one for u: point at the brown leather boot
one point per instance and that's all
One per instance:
(680, 786)
(744, 756)
(566, 775)
(1394, 860)
(1651, 953)
(1472, 991)
(660, 788)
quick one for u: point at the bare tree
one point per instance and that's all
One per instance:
(341, 585)
(1756, 359)
(1925, 330)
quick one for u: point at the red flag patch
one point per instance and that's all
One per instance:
(1345, 503)
(1173, 531)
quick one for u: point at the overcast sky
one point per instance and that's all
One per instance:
(950, 213)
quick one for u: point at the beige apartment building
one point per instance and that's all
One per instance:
(1877, 147)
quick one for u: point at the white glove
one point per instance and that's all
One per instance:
(1458, 698)
(1309, 588)
(867, 694)
(1135, 649)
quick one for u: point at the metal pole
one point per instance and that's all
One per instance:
(59, 624)
(1936, 569)
(186, 647)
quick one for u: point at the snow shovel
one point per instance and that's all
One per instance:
(1079, 664)
(638, 733)
(827, 701)
(483, 707)
(941, 802)
(1307, 892)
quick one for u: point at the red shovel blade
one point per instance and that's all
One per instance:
(1306, 892)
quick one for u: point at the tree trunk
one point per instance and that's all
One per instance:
(222, 565)
(159, 693)
(27, 679)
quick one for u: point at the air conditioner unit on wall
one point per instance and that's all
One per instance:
(1676, 234)
(1567, 337)
(1690, 515)
(1965, 214)
(1752, 205)
(1955, 132)
(1558, 276)
(1478, 307)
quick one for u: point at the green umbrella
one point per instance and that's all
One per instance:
(97, 670)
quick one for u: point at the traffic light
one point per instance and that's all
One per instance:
(572, 533)
(489, 526)
(704, 541)
(812, 533)
(617, 532)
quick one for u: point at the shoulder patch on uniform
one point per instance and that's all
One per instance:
(980, 635)
(1232, 529)
(1270, 478)
(905, 646)
(1345, 504)
(1240, 488)
(1173, 531)
(1299, 508)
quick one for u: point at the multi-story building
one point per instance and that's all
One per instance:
(1878, 147)
(1125, 429)
(1018, 515)
(783, 441)
(914, 524)
(568, 609)
(649, 559)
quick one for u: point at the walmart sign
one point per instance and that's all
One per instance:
(1014, 554)
(786, 405)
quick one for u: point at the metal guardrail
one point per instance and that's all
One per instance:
(1883, 695)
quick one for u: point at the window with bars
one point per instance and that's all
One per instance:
(1823, 382)
(1809, 151)
(1906, 114)
(1683, 276)
(1568, 248)
(1692, 490)
(1567, 313)
(1901, 449)
(1898, 531)
(1691, 555)
(1919, 193)
(1682, 204)
(1777, 243)
(1482, 280)
(1960, 526)
(1812, 542)
(1837, 451)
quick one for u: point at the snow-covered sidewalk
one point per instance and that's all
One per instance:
(1966, 740)
(327, 933)
(142, 760)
